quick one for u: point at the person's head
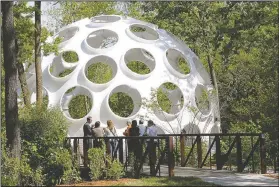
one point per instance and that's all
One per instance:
(129, 122)
(110, 124)
(216, 119)
(141, 121)
(89, 119)
(150, 123)
(97, 124)
(134, 123)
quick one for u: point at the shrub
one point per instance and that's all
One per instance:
(43, 133)
(96, 162)
(102, 166)
(114, 169)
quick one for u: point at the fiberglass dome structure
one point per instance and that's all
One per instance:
(116, 41)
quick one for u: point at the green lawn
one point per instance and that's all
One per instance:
(166, 181)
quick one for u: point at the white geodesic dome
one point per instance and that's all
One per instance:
(109, 39)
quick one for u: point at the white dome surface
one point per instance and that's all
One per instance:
(157, 48)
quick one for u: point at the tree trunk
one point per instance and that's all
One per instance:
(38, 68)
(214, 82)
(22, 80)
(23, 84)
(11, 108)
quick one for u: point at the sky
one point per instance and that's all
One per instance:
(46, 6)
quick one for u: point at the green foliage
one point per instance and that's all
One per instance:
(10, 167)
(162, 96)
(167, 181)
(138, 67)
(203, 102)
(70, 90)
(99, 73)
(121, 104)
(183, 66)
(101, 165)
(70, 56)
(96, 163)
(79, 106)
(69, 12)
(43, 133)
(65, 72)
(115, 169)
(137, 29)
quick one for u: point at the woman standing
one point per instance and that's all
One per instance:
(110, 131)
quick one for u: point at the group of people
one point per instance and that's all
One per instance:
(133, 129)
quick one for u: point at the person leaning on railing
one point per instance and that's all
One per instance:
(110, 131)
(97, 132)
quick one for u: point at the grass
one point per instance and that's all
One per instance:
(166, 181)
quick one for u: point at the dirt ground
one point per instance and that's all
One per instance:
(102, 182)
(272, 175)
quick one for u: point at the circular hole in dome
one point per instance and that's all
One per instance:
(124, 101)
(77, 102)
(68, 33)
(144, 32)
(202, 99)
(170, 98)
(177, 61)
(57, 69)
(70, 56)
(105, 19)
(61, 73)
(139, 61)
(121, 104)
(100, 69)
(101, 39)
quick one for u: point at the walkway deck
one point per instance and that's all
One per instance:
(220, 177)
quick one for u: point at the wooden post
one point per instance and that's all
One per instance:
(120, 143)
(182, 150)
(152, 157)
(239, 154)
(170, 156)
(199, 151)
(218, 153)
(262, 154)
(85, 152)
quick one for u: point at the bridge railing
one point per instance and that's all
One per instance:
(222, 146)
(157, 150)
(164, 149)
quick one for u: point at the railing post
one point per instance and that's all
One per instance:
(120, 143)
(199, 150)
(182, 150)
(85, 152)
(170, 156)
(75, 146)
(262, 154)
(239, 154)
(152, 157)
(218, 153)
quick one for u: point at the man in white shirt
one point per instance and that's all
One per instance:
(151, 130)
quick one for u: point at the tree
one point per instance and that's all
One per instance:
(11, 108)
(24, 45)
(38, 68)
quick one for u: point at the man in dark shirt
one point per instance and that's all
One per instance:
(86, 127)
